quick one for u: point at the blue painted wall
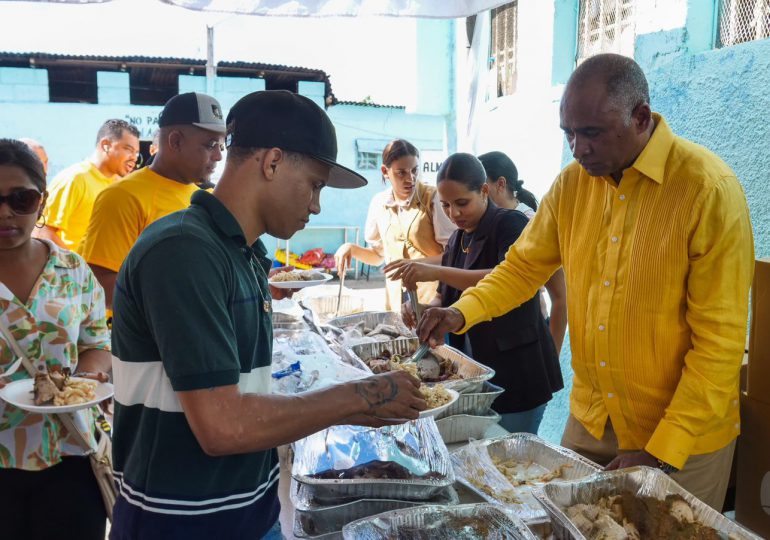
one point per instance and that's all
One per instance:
(68, 132)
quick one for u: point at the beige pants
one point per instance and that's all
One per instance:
(706, 475)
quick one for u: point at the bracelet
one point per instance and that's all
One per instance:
(665, 467)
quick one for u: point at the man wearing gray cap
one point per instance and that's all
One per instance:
(191, 140)
(195, 424)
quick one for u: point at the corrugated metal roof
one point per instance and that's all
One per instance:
(369, 104)
(278, 74)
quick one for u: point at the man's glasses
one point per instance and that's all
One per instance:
(24, 201)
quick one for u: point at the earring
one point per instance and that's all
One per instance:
(40, 225)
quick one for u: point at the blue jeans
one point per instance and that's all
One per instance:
(275, 532)
(523, 422)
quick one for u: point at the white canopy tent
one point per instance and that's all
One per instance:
(439, 9)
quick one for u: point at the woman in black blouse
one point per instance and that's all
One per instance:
(517, 345)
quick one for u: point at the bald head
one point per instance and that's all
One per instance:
(622, 78)
(39, 151)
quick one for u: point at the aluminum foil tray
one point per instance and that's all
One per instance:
(464, 427)
(476, 403)
(311, 518)
(474, 374)
(473, 463)
(462, 522)
(645, 481)
(370, 319)
(415, 447)
(300, 326)
(325, 307)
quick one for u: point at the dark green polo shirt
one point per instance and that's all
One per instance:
(189, 313)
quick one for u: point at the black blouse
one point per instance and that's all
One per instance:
(517, 345)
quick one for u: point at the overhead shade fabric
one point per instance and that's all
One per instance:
(442, 9)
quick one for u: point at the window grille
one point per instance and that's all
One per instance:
(504, 41)
(743, 20)
(367, 160)
(606, 26)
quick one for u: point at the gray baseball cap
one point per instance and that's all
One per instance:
(195, 109)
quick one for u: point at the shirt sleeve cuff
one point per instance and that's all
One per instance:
(671, 444)
(472, 311)
(205, 380)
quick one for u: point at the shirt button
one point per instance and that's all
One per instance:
(606, 283)
(603, 364)
(610, 395)
(614, 239)
(601, 328)
(622, 197)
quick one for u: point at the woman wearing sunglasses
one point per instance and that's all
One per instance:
(53, 308)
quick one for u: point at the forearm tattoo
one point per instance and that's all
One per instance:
(377, 392)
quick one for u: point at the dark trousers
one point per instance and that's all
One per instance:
(62, 502)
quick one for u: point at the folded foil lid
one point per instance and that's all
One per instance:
(412, 451)
(463, 522)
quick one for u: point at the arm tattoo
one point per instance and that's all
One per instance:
(377, 392)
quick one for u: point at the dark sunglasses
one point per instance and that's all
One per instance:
(24, 201)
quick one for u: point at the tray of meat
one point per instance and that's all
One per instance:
(444, 364)
(312, 518)
(461, 522)
(505, 470)
(407, 462)
(635, 504)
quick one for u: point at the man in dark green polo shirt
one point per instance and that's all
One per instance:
(195, 424)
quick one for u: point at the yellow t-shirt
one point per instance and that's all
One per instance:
(123, 210)
(71, 196)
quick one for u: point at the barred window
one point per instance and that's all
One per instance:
(606, 26)
(366, 161)
(505, 33)
(743, 20)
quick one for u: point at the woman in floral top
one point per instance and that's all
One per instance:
(54, 308)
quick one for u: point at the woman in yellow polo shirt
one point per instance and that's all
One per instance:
(405, 222)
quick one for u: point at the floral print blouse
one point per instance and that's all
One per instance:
(63, 318)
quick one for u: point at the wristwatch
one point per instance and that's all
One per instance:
(665, 467)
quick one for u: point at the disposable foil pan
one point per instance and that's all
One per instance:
(312, 518)
(476, 403)
(325, 307)
(462, 522)
(370, 319)
(643, 481)
(414, 446)
(473, 373)
(464, 427)
(474, 465)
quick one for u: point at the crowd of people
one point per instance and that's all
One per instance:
(158, 281)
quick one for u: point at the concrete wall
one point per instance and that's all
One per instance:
(68, 132)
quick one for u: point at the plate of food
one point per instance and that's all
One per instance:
(298, 279)
(438, 398)
(55, 392)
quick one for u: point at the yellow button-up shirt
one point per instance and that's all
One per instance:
(658, 272)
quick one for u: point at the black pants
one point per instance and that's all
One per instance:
(61, 502)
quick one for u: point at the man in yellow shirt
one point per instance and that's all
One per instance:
(654, 235)
(72, 192)
(190, 144)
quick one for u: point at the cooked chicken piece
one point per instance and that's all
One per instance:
(680, 510)
(607, 528)
(44, 389)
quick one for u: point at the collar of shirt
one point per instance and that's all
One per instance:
(222, 217)
(391, 202)
(60, 258)
(652, 161)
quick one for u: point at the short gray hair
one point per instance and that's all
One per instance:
(625, 82)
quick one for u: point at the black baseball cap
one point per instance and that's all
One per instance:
(194, 109)
(291, 122)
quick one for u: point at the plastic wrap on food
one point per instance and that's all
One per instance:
(407, 461)
(312, 518)
(592, 494)
(474, 403)
(286, 310)
(302, 362)
(472, 374)
(464, 427)
(462, 522)
(506, 469)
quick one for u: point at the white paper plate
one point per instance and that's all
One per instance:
(19, 394)
(299, 284)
